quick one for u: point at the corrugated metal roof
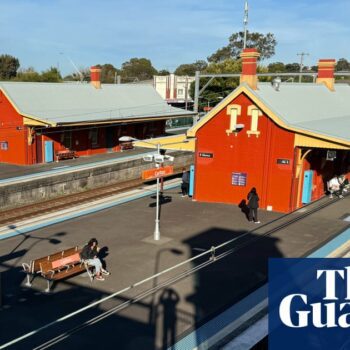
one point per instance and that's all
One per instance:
(73, 103)
(312, 107)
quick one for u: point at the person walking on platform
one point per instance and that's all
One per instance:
(89, 254)
(253, 205)
(185, 182)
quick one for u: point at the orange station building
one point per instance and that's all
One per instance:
(38, 120)
(285, 139)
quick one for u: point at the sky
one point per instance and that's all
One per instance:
(45, 33)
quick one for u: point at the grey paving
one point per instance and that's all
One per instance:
(155, 321)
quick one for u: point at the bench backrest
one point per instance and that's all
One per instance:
(72, 259)
(47, 265)
(35, 265)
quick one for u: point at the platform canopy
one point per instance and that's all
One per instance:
(63, 104)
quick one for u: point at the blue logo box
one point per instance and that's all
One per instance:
(309, 304)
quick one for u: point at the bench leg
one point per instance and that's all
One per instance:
(48, 289)
(29, 280)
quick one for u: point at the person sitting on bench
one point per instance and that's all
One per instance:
(89, 254)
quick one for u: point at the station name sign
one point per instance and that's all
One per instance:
(206, 155)
(157, 172)
(283, 161)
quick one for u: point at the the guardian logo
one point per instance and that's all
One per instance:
(329, 309)
(309, 304)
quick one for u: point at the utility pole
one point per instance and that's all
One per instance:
(186, 92)
(302, 54)
(245, 24)
(196, 96)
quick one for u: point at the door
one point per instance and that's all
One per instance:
(48, 151)
(191, 188)
(307, 186)
(110, 138)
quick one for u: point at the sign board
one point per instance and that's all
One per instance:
(331, 155)
(283, 161)
(239, 179)
(157, 172)
(4, 145)
(206, 155)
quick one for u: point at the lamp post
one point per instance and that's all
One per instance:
(158, 159)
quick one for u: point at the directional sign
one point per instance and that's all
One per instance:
(157, 172)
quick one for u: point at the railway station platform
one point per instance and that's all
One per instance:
(23, 185)
(171, 306)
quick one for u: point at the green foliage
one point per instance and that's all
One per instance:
(51, 75)
(108, 73)
(292, 67)
(163, 72)
(191, 68)
(276, 67)
(28, 75)
(342, 65)
(8, 67)
(265, 44)
(138, 69)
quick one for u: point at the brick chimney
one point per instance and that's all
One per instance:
(96, 77)
(326, 73)
(249, 64)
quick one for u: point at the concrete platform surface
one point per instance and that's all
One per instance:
(153, 321)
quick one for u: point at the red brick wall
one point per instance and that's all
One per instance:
(13, 132)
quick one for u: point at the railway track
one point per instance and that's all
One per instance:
(11, 216)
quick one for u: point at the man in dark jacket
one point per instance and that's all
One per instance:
(89, 254)
(253, 205)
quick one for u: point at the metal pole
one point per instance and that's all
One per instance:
(156, 229)
(196, 96)
(245, 23)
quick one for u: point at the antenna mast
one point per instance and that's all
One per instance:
(245, 24)
(81, 76)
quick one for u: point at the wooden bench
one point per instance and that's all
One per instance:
(126, 145)
(57, 266)
(66, 154)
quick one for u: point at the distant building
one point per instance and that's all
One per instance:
(38, 120)
(175, 90)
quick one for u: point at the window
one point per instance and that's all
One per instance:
(4, 146)
(233, 111)
(255, 113)
(94, 137)
(67, 139)
(180, 91)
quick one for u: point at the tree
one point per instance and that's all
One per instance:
(342, 65)
(28, 75)
(220, 55)
(163, 72)
(276, 67)
(8, 67)
(138, 69)
(191, 68)
(292, 67)
(51, 75)
(108, 73)
(264, 43)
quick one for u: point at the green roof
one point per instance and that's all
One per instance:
(311, 107)
(65, 103)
